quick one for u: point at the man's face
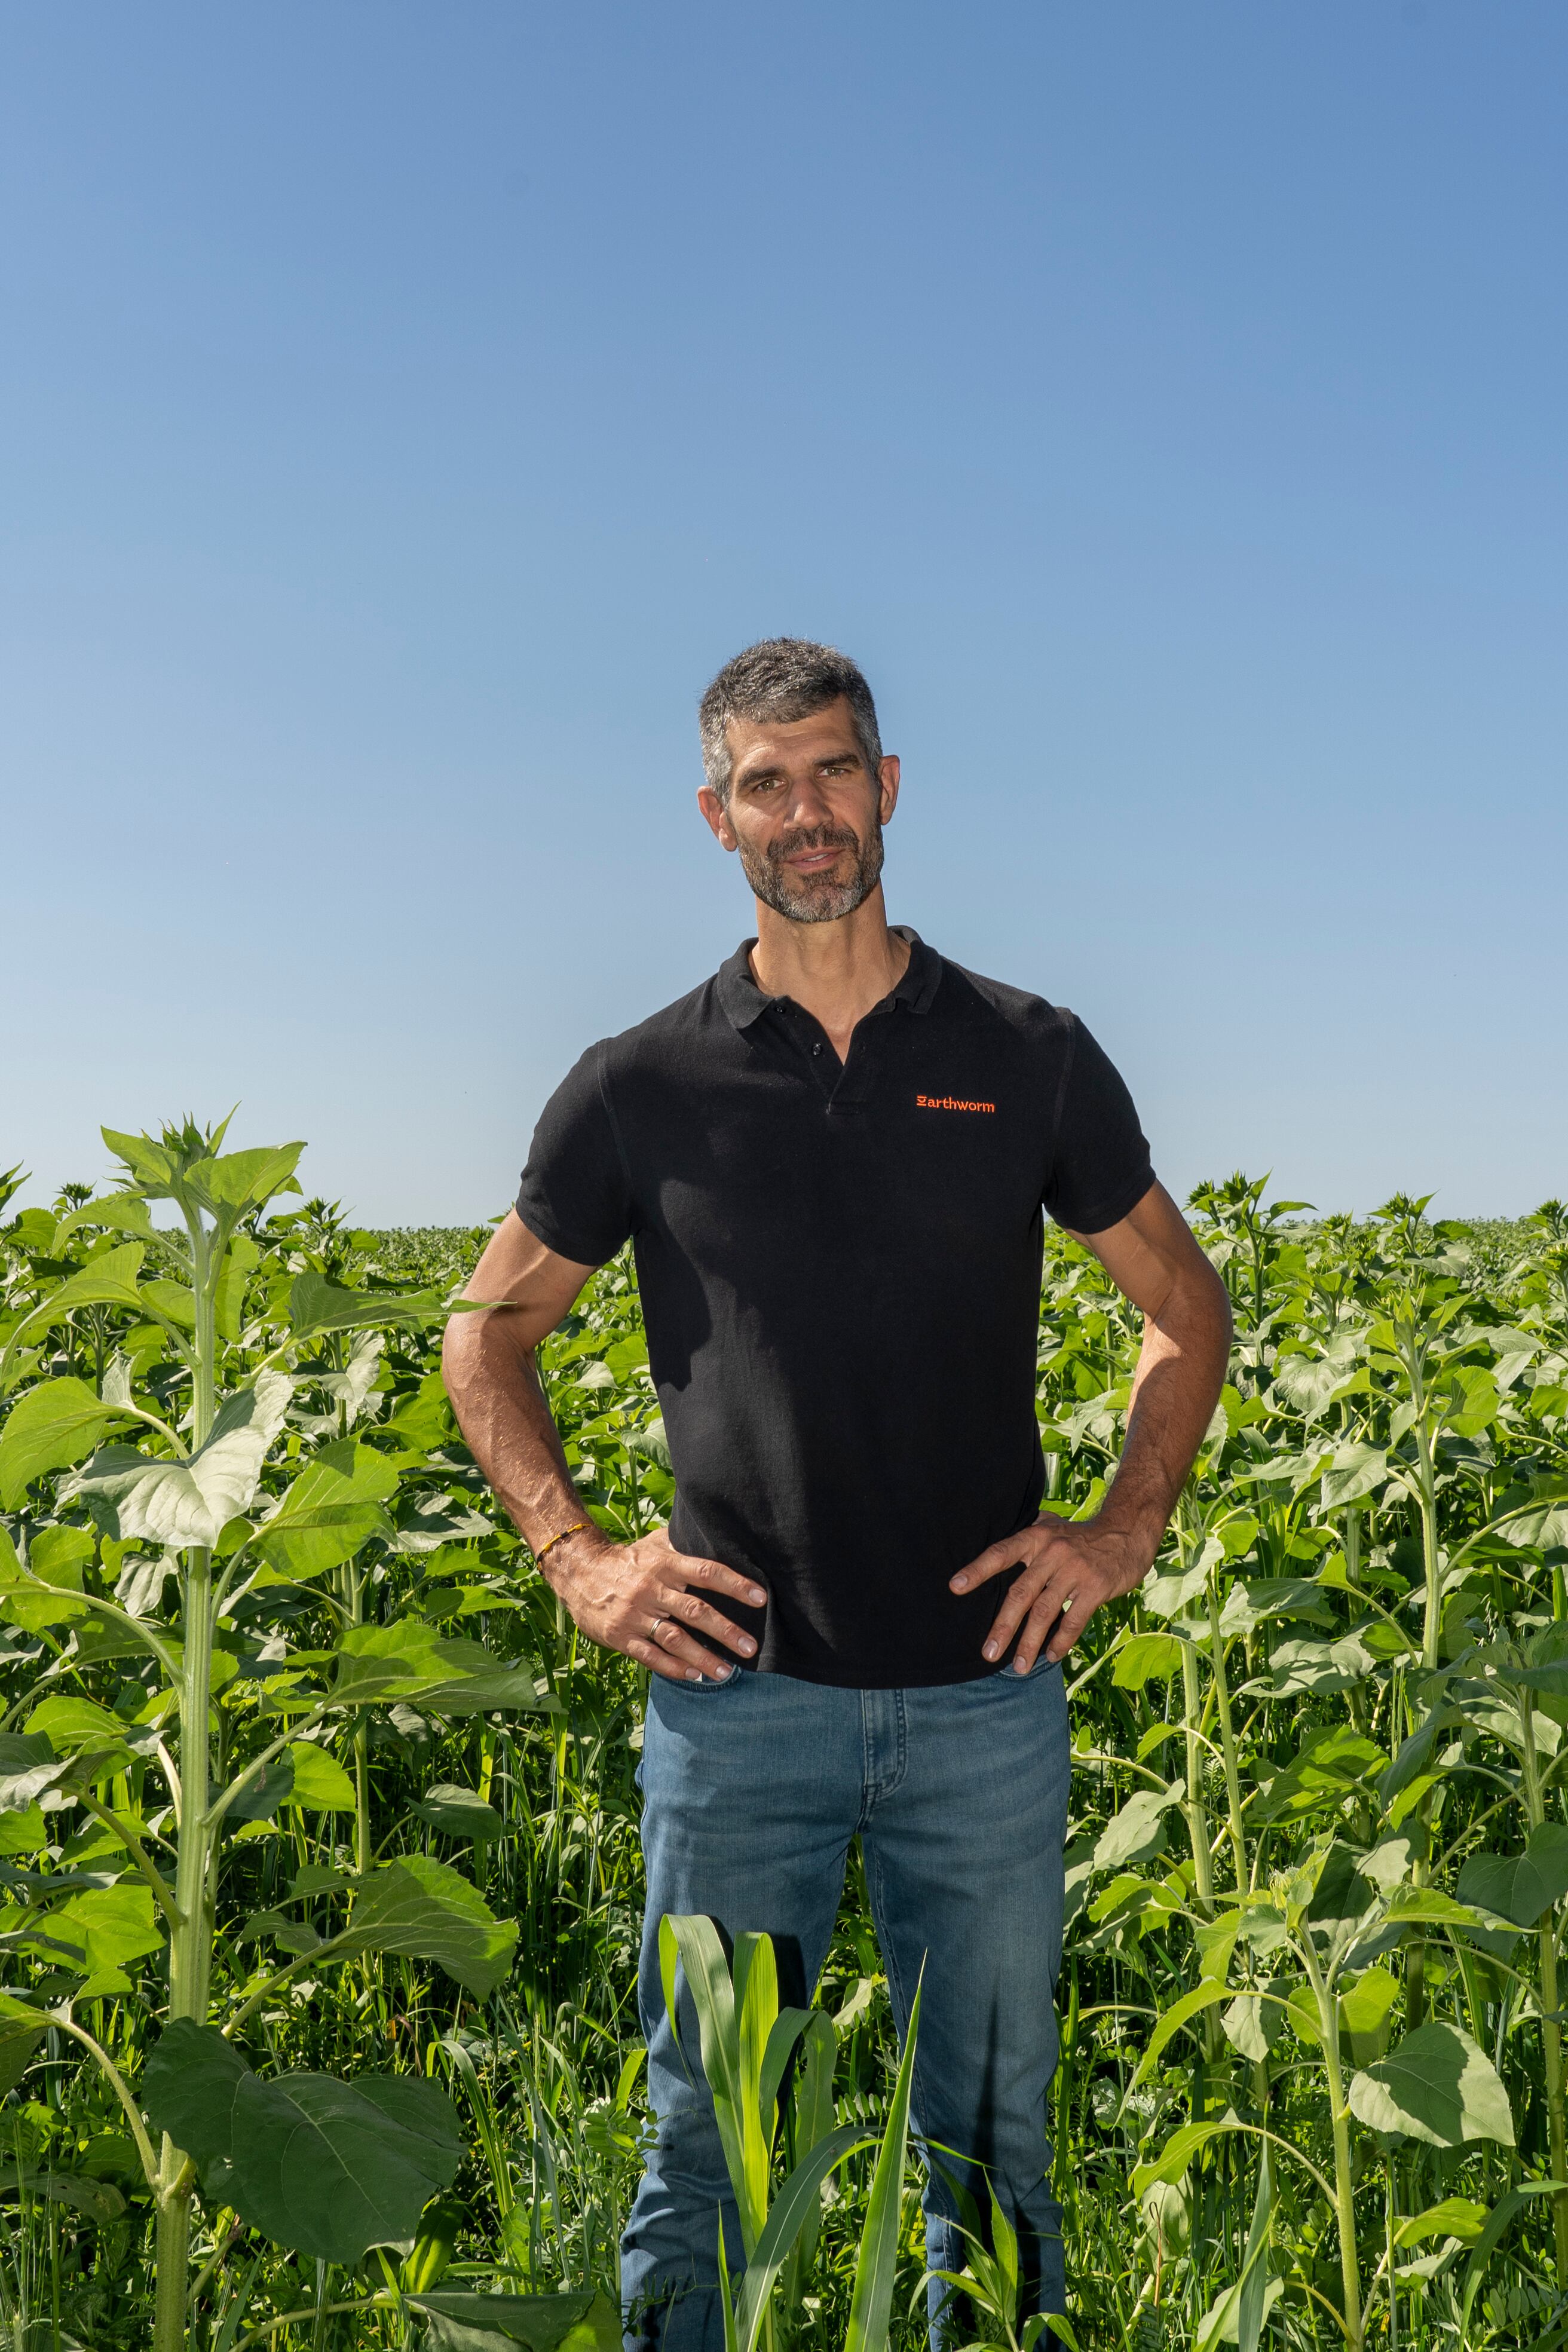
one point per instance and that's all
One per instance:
(804, 813)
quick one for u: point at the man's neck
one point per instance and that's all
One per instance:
(838, 971)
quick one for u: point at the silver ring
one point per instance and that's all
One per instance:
(653, 1629)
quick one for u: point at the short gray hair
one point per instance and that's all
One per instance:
(782, 678)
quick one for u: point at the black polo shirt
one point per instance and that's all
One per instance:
(840, 1275)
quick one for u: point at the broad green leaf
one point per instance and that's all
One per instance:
(1543, 1519)
(1471, 1400)
(1308, 1384)
(425, 1419)
(1354, 1472)
(410, 1659)
(52, 1427)
(1262, 1597)
(188, 2088)
(109, 1925)
(184, 1504)
(652, 1442)
(1214, 1941)
(456, 2322)
(110, 1280)
(1417, 1753)
(24, 1831)
(459, 1813)
(152, 1164)
(106, 1281)
(1295, 1667)
(20, 2035)
(1134, 1829)
(1128, 1896)
(239, 1260)
(332, 1509)
(1520, 1887)
(75, 1723)
(97, 2202)
(317, 1305)
(1305, 2021)
(1365, 2008)
(261, 1796)
(1550, 1678)
(427, 1912)
(54, 1560)
(1331, 1766)
(1146, 1657)
(173, 1300)
(318, 1781)
(29, 1765)
(1436, 2086)
(124, 1212)
(1388, 1864)
(330, 2168)
(240, 1181)
(1429, 1905)
(399, 1658)
(1255, 2020)
(1164, 1596)
(1455, 2217)
(58, 1555)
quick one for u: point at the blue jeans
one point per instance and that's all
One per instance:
(753, 1789)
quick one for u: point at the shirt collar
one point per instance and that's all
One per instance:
(745, 1002)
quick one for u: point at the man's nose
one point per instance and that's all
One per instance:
(809, 803)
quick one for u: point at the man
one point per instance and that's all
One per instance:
(833, 1159)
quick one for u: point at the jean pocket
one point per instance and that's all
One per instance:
(707, 1687)
(1042, 1665)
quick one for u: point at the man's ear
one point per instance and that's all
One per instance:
(714, 809)
(887, 778)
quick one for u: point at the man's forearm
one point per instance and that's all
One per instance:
(641, 1596)
(493, 1383)
(1181, 1370)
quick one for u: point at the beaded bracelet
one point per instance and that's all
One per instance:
(575, 1530)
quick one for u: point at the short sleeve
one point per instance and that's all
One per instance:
(1100, 1167)
(575, 1193)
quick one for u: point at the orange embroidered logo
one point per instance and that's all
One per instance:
(949, 1102)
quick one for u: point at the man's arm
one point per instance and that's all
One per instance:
(1070, 1568)
(645, 1598)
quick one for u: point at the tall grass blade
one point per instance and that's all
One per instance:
(796, 2207)
(877, 2266)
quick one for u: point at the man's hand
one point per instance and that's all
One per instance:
(646, 1599)
(1070, 1566)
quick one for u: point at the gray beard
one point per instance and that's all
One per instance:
(814, 898)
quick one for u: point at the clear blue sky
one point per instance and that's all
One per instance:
(406, 409)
